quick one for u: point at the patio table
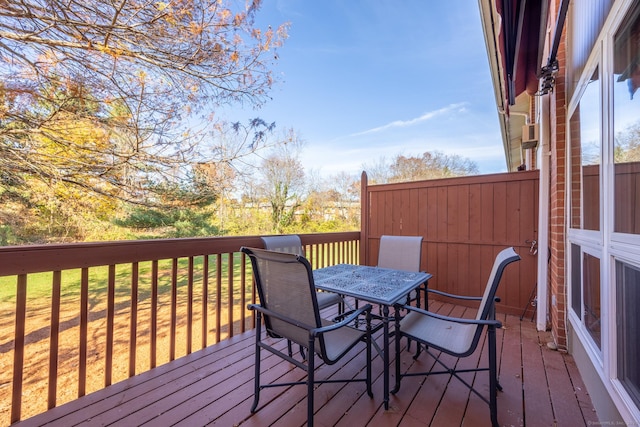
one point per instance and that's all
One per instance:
(383, 286)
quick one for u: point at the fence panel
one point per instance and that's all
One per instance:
(465, 222)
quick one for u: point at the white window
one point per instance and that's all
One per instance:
(586, 301)
(626, 124)
(628, 295)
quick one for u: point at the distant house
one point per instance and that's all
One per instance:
(566, 76)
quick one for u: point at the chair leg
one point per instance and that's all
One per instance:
(369, 339)
(310, 381)
(419, 289)
(418, 351)
(493, 377)
(426, 298)
(417, 305)
(493, 317)
(397, 337)
(256, 380)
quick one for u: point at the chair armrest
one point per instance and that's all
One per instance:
(462, 297)
(344, 322)
(312, 330)
(496, 323)
(267, 312)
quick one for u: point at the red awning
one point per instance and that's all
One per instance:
(521, 44)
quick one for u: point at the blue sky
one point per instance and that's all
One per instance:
(359, 80)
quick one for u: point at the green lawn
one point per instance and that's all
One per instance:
(39, 285)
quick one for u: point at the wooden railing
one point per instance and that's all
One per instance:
(79, 317)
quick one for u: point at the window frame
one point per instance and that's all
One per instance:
(607, 245)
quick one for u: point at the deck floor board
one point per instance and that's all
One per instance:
(214, 386)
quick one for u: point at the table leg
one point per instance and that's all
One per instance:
(385, 354)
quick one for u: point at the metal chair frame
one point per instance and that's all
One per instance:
(317, 333)
(419, 321)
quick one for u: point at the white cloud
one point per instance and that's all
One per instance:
(405, 123)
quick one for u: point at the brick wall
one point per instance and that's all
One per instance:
(557, 220)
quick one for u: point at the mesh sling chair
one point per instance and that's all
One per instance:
(289, 306)
(458, 337)
(402, 253)
(292, 244)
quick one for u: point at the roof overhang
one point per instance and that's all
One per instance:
(514, 32)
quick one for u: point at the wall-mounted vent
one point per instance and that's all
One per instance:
(530, 136)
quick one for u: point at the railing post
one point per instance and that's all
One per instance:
(364, 217)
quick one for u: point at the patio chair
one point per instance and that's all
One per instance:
(402, 253)
(458, 337)
(289, 305)
(292, 244)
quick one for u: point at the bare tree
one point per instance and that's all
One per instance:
(118, 97)
(379, 172)
(283, 182)
(347, 188)
(430, 165)
(627, 148)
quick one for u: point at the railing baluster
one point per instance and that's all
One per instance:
(190, 305)
(153, 340)
(84, 331)
(54, 340)
(354, 253)
(344, 252)
(327, 254)
(324, 254)
(111, 294)
(174, 314)
(347, 252)
(334, 252)
(351, 250)
(218, 295)
(346, 255)
(18, 347)
(316, 251)
(230, 293)
(243, 294)
(205, 299)
(308, 253)
(133, 329)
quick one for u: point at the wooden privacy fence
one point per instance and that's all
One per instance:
(79, 317)
(465, 222)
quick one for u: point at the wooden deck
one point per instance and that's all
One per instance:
(541, 387)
